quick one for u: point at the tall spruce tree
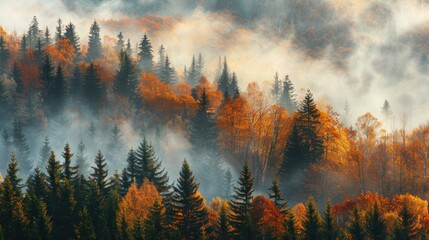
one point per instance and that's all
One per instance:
(133, 167)
(290, 225)
(191, 214)
(311, 229)
(125, 182)
(94, 43)
(203, 126)
(59, 30)
(192, 74)
(223, 82)
(120, 43)
(168, 72)
(240, 205)
(355, 225)
(223, 225)
(308, 123)
(71, 35)
(275, 195)
(407, 228)
(47, 76)
(227, 184)
(21, 147)
(84, 230)
(4, 55)
(99, 174)
(211, 177)
(161, 60)
(45, 152)
(47, 38)
(375, 225)
(82, 159)
(33, 33)
(75, 84)
(69, 171)
(276, 88)
(149, 167)
(153, 225)
(233, 86)
(287, 97)
(57, 91)
(329, 225)
(292, 156)
(145, 54)
(94, 91)
(125, 82)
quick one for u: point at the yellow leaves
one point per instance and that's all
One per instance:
(137, 202)
(62, 53)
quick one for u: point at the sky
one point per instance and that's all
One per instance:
(362, 52)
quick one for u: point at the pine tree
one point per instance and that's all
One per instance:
(233, 86)
(149, 167)
(92, 130)
(189, 204)
(115, 144)
(40, 226)
(355, 226)
(200, 65)
(276, 88)
(329, 227)
(69, 171)
(240, 205)
(408, 224)
(45, 152)
(12, 175)
(290, 225)
(57, 91)
(386, 110)
(287, 98)
(39, 52)
(21, 147)
(128, 48)
(311, 229)
(94, 91)
(33, 33)
(75, 83)
(4, 55)
(223, 225)
(47, 38)
(17, 77)
(153, 225)
(161, 61)
(308, 124)
(203, 128)
(94, 44)
(85, 229)
(133, 168)
(293, 155)
(47, 77)
(120, 43)
(81, 159)
(37, 186)
(145, 54)
(137, 230)
(125, 183)
(224, 79)
(168, 73)
(125, 82)
(72, 36)
(23, 47)
(375, 225)
(99, 175)
(13, 221)
(59, 30)
(227, 184)
(192, 73)
(275, 194)
(211, 178)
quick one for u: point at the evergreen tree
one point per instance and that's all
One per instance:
(161, 61)
(191, 214)
(23, 47)
(45, 152)
(168, 73)
(75, 83)
(47, 77)
(211, 178)
(57, 91)
(386, 110)
(72, 36)
(275, 194)
(200, 65)
(17, 77)
(290, 225)
(153, 225)
(39, 52)
(99, 175)
(145, 54)
(33, 33)
(311, 229)
(149, 167)
(69, 171)
(4, 55)
(224, 79)
(128, 48)
(81, 159)
(133, 167)
(115, 143)
(94, 91)
(192, 73)
(223, 228)
(21, 147)
(408, 224)
(40, 226)
(287, 98)
(12, 175)
(293, 155)
(233, 86)
(355, 226)
(308, 124)
(125, 82)
(94, 44)
(125, 183)
(375, 225)
(240, 205)
(92, 130)
(59, 30)
(47, 38)
(137, 230)
(120, 43)
(227, 184)
(276, 88)
(203, 125)
(329, 228)
(37, 187)
(85, 229)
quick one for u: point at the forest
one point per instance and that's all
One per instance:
(104, 140)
